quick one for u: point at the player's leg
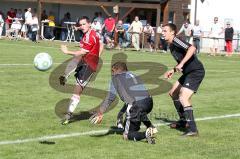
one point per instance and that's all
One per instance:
(190, 85)
(83, 76)
(70, 68)
(120, 116)
(185, 98)
(174, 94)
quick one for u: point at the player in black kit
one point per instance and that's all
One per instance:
(192, 75)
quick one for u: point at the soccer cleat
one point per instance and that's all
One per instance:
(62, 80)
(190, 134)
(120, 124)
(67, 119)
(149, 135)
(179, 124)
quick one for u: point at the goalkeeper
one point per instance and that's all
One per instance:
(139, 103)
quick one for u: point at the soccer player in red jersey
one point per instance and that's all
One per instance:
(89, 57)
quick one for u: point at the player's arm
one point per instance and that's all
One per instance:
(96, 118)
(75, 53)
(191, 50)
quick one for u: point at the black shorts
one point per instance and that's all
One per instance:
(137, 113)
(192, 80)
(83, 74)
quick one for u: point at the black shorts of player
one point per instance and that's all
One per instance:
(137, 114)
(192, 80)
(83, 74)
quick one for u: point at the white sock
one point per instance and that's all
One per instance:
(73, 103)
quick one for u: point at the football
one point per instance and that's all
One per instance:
(42, 61)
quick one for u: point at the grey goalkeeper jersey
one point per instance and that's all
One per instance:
(128, 86)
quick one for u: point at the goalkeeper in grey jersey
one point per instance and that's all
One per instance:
(139, 103)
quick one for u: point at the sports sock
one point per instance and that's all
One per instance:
(188, 113)
(73, 103)
(136, 136)
(179, 109)
(71, 66)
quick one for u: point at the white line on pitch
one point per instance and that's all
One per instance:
(94, 132)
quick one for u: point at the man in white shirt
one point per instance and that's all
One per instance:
(136, 29)
(187, 30)
(28, 19)
(216, 31)
(197, 34)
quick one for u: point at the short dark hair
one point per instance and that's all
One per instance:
(172, 26)
(84, 17)
(120, 65)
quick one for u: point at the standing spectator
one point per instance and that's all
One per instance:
(34, 28)
(10, 15)
(50, 28)
(228, 38)
(64, 31)
(136, 28)
(215, 32)
(187, 30)
(197, 34)
(148, 30)
(24, 26)
(19, 14)
(99, 18)
(1, 25)
(120, 33)
(28, 19)
(44, 15)
(109, 25)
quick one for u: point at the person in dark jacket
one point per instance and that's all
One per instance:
(228, 39)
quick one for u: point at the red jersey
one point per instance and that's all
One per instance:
(90, 44)
(109, 24)
(10, 14)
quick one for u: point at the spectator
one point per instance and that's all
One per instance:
(24, 26)
(150, 34)
(197, 34)
(120, 33)
(34, 27)
(136, 29)
(28, 19)
(64, 31)
(214, 34)
(109, 25)
(1, 25)
(99, 18)
(127, 37)
(228, 39)
(10, 15)
(50, 29)
(187, 30)
(19, 14)
(44, 15)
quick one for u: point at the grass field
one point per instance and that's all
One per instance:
(31, 103)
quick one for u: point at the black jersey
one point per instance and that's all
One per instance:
(178, 50)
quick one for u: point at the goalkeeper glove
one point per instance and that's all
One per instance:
(96, 118)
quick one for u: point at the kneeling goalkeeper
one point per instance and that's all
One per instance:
(139, 103)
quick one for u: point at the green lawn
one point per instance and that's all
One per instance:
(31, 103)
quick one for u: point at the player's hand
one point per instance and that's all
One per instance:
(96, 118)
(179, 67)
(64, 49)
(169, 74)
